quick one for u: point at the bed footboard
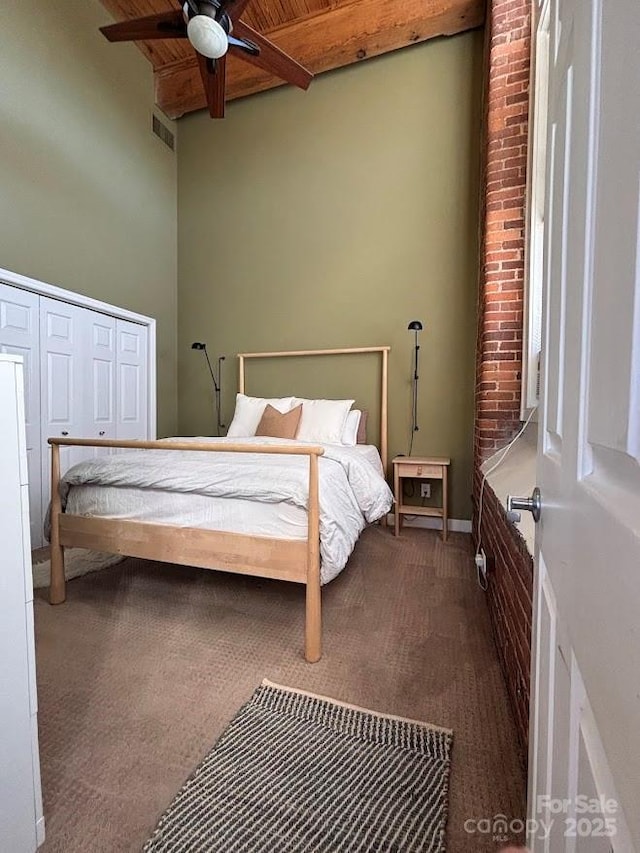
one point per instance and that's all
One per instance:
(282, 559)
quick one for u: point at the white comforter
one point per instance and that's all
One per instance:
(352, 492)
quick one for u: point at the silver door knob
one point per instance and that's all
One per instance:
(532, 505)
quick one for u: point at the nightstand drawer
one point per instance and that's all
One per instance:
(415, 470)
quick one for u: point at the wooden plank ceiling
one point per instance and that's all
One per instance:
(321, 34)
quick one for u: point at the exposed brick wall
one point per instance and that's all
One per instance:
(509, 598)
(499, 356)
(500, 333)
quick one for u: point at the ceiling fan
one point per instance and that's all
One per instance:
(214, 30)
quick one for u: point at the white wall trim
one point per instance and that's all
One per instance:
(42, 288)
(535, 195)
(456, 525)
(45, 289)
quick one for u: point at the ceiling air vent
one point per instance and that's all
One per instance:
(163, 133)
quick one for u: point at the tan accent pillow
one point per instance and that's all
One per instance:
(362, 428)
(277, 424)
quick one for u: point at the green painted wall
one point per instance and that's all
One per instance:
(332, 218)
(87, 193)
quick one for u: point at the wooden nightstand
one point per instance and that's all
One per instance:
(420, 468)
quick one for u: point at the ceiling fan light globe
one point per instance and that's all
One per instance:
(207, 36)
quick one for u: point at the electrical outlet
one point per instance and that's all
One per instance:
(481, 563)
(425, 490)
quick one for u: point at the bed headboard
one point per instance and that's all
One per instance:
(383, 352)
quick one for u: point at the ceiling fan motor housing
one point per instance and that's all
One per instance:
(209, 8)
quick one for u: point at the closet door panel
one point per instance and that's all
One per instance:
(100, 377)
(132, 380)
(63, 402)
(20, 335)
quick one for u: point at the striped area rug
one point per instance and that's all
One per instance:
(299, 772)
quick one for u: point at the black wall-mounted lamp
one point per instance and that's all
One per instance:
(414, 326)
(217, 383)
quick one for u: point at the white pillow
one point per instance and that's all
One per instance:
(323, 420)
(350, 431)
(249, 410)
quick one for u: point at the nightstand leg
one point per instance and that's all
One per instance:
(396, 507)
(445, 503)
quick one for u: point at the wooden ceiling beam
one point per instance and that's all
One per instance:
(341, 35)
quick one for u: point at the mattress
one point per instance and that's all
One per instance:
(234, 514)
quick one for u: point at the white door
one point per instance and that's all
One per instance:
(20, 334)
(62, 349)
(132, 380)
(585, 721)
(100, 376)
(20, 800)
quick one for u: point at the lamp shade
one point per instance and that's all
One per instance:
(198, 345)
(415, 326)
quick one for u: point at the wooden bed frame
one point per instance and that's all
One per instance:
(281, 559)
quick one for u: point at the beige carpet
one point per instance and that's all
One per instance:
(141, 669)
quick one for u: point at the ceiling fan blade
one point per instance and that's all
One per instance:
(271, 58)
(166, 25)
(213, 75)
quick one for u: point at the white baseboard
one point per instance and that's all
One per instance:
(456, 525)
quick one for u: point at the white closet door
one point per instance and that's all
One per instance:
(100, 376)
(86, 376)
(63, 402)
(20, 335)
(132, 380)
